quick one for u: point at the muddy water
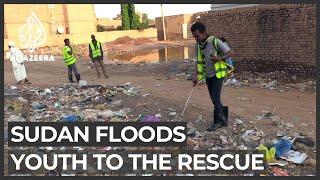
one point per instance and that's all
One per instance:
(155, 55)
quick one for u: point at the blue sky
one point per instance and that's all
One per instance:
(153, 10)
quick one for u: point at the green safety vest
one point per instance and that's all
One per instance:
(68, 59)
(219, 67)
(95, 52)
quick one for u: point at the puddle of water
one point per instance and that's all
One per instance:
(155, 55)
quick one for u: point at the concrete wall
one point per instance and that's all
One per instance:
(269, 38)
(109, 22)
(78, 20)
(66, 16)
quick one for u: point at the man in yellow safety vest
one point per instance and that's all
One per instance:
(211, 53)
(96, 55)
(70, 60)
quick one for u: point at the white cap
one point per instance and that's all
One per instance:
(11, 43)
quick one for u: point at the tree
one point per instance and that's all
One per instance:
(131, 20)
(134, 18)
(125, 17)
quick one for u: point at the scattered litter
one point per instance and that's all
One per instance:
(71, 118)
(117, 103)
(145, 95)
(281, 164)
(294, 156)
(238, 121)
(279, 172)
(38, 106)
(280, 133)
(282, 147)
(306, 141)
(189, 77)
(83, 83)
(14, 118)
(150, 118)
(172, 114)
(251, 136)
(269, 153)
(21, 99)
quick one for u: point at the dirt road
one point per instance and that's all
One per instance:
(292, 106)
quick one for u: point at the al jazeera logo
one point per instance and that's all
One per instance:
(32, 35)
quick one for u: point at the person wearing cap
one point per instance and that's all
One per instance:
(17, 62)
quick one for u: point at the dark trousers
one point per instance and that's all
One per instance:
(73, 68)
(214, 87)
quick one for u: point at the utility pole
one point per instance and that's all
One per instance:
(163, 26)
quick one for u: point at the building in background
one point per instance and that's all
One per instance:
(40, 25)
(176, 26)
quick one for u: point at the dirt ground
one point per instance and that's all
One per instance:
(168, 91)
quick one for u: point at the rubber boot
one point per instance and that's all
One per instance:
(216, 121)
(78, 78)
(70, 79)
(225, 110)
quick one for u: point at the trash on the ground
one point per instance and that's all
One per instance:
(150, 118)
(170, 109)
(200, 120)
(232, 81)
(21, 99)
(83, 83)
(158, 115)
(38, 106)
(279, 172)
(127, 84)
(13, 87)
(238, 121)
(189, 77)
(117, 102)
(252, 136)
(267, 115)
(269, 153)
(224, 139)
(122, 113)
(14, 118)
(172, 114)
(294, 156)
(145, 95)
(282, 147)
(158, 85)
(280, 133)
(181, 74)
(71, 118)
(191, 131)
(306, 141)
(277, 163)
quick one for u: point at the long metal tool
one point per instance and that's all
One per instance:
(187, 102)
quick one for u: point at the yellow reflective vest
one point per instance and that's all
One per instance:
(220, 67)
(68, 59)
(96, 52)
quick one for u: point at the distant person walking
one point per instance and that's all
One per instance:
(70, 61)
(96, 55)
(17, 62)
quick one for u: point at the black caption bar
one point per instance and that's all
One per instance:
(97, 134)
